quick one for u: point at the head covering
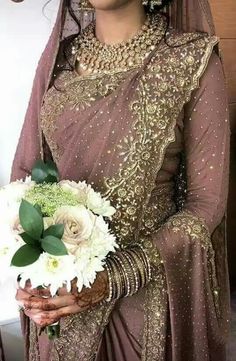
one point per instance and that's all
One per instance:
(191, 15)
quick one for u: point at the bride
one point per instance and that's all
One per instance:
(135, 104)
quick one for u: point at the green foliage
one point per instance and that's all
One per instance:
(50, 197)
(31, 220)
(53, 331)
(36, 238)
(54, 246)
(29, 240)
(45, 172)
(25, 256)
(56, 230)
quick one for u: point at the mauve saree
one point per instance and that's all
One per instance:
(155, 140)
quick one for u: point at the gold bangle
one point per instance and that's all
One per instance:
(143, 254)
(127, 285)
(129, 266)
(134, 273)
(141, 269)
(108, 269)
(118, 277)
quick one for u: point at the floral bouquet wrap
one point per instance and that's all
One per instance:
(53, 232)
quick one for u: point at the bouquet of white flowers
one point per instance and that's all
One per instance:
(53, 232)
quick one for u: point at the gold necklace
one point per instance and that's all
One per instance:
(96, 57)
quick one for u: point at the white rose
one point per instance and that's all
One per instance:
(78, 222)
(80, 189)
(98, 204)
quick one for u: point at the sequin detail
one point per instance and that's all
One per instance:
(161, 94)
(74, 94)
(197, 231)
(164, 88)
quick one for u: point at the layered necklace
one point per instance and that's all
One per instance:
(96, 57)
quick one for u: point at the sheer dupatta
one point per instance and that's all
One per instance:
(186, 15)
(191, 15)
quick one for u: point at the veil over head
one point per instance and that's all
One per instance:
(191, 15)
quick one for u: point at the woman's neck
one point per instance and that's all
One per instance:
(116, 26)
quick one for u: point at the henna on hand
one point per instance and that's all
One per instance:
(89, 297)
(45, 311)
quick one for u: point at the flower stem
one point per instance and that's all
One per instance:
(53, 331)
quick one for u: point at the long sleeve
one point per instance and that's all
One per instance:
(206, 138)
(198, 324)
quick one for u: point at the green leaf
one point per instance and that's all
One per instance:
(53, 331)
(45, 172)
(25, 256)
(31, 220)
(54, 246)
(29, 240)
(52, 170)
(39, 172)
(55, 230)
(36, 206)
(40, 288)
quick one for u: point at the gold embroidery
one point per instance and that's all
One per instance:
(192, 226)
(162, 92)
(155, 319)
(160, 207)
(73, 93)
(163, 89)
(196, 229)
(34, 354)
(81, 334)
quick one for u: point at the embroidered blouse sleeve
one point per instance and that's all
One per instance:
(190, 243)
(206, 143)
(206, 136)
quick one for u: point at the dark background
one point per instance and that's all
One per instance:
(224, 12)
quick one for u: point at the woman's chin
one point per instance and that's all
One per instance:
(109, 5)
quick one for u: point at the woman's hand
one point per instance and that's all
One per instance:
(46, 311)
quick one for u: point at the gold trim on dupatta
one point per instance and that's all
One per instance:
(157, 105)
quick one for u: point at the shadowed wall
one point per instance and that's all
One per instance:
(224, 12)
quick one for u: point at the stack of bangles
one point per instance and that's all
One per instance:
(128, 271)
